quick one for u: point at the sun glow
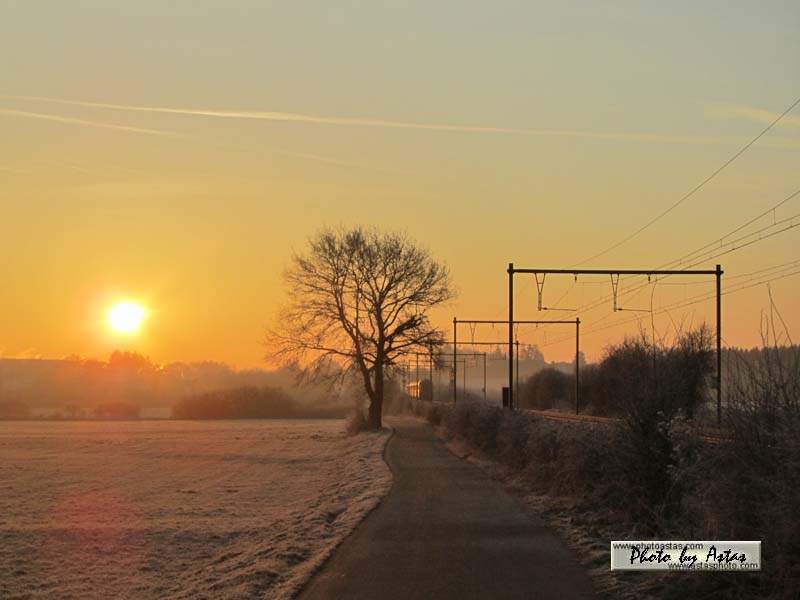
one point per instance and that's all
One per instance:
(126, 317)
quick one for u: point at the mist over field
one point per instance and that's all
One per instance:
(129, 385)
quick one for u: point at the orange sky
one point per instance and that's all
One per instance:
(176, 155)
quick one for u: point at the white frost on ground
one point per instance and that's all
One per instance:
(180, 510)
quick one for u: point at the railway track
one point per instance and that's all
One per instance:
(709, 435)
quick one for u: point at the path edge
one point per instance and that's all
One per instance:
(332, 550)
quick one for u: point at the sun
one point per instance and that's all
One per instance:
(126, 317)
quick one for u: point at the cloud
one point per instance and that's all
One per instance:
(289, 117)
(727, 111)
(73, 121)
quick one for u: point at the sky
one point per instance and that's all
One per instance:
(176, 153)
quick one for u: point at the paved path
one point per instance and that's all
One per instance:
(446, 530)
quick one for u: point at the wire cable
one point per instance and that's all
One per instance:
(693, 191)
(684, 303)
(772, 210)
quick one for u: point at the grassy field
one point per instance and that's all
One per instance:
(175, 509)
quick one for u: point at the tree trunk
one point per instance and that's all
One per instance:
(376, 401)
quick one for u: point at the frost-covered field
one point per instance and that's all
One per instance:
(172, 509)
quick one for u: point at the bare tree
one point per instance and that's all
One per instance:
(358, 300)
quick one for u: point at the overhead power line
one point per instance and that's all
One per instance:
(693, 191)
(772, 271)
(752, 238)
(751, 277)
(716, 248)
(719, 241)
(792, 271)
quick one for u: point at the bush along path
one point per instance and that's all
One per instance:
(645, 479)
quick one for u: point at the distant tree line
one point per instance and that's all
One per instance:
(14, 409)
(251, 403)
(128, 384)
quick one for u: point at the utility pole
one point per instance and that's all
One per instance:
(577, 365)
(517, 392)
(418, 392)
(455, 359)
(510, 335)
(430, 369)
(484, 376)
(719, 345)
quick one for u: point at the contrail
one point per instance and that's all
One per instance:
(131, 129)
(749, 113)
(73, 121)
(365, 122)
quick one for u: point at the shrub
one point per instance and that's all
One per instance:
(558, 457)
(641, 377)
(238, 403)
(546, 389)
(116, 410)
(754, 492)
(512, 440)
(653, 385)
